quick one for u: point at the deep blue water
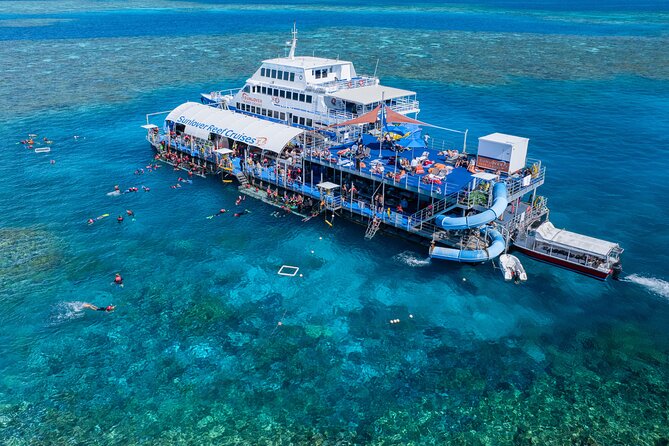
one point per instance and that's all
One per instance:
(194, 353)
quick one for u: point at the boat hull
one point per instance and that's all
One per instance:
(581, 269)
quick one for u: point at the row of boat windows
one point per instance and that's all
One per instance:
(261, 111)
(279, 93)
(274, 114)
(278, 74)
(321, 73)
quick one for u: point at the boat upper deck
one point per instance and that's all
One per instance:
(427, 171)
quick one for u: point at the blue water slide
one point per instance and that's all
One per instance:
(499, 203)
(497, 246)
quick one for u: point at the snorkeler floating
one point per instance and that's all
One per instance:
(218, 214)
(115, 192)
(118, 280)
(107, 309)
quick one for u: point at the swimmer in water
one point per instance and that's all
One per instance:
(107, 309)
(239, 214)
(119, 219)
(90, 221)
(115, 192)
(130, 213)
(118, 280)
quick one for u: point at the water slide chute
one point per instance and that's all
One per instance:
(496, 247)
(499, 204)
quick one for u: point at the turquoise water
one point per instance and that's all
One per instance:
(195, 354)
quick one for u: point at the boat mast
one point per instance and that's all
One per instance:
(293, 43)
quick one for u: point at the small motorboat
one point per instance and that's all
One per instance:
(512, 268)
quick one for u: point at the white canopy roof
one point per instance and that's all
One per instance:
(327, 185)
(201, 120)
(371, 94)
(571, 240)
(305, 62)
(505, 139)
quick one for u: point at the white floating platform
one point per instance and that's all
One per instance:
(287, 270)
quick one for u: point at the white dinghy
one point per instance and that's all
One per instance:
(512, 268)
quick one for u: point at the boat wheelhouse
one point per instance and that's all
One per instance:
(374, 165)
(311, 92)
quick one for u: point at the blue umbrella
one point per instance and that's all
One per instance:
(411, 142)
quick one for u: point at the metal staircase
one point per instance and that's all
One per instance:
(372, 227)
(243, 181)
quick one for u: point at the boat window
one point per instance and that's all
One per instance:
(324, 72)
(273, 74)
(282, 116)
(301, 97)
(301, 120)
(294, 119)
(253, 109)
(262, 71)
(263, 90)
(276, 92)
(292, 77)
(246, 89)
(295, 96)
(263, 111)
(279, 74)
(309, 122)
(318, 73)
(282, 93)
(285, 75)
(309, 98)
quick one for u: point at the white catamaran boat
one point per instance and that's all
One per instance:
(310, 135)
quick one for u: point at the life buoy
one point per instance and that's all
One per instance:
(536, 201)
(535, 170)
(333, 101)
(361, 82)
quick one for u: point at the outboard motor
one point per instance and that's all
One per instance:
(616, 270)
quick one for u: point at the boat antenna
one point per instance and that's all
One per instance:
(293, 43)
(376, 67)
